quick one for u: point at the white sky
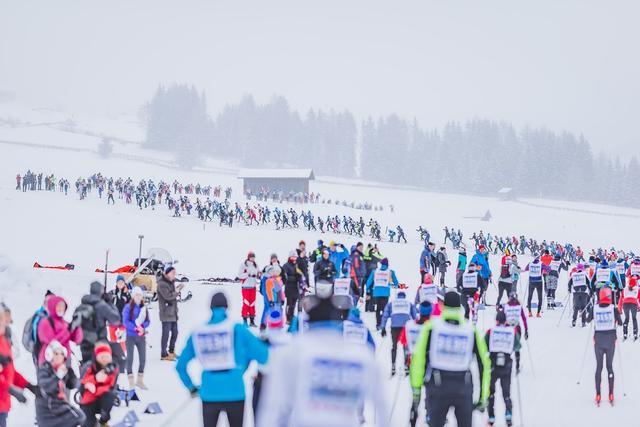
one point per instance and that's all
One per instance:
(565, 64)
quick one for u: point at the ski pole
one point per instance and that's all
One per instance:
(624, 392)
(395, 398)
(519, 400)
(584, 356)
(172, 417)
(530, 358)
(566, 300)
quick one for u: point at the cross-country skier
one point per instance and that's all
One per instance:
(321, 379)
(249, 274)
(380, 280)
(555, 267)
(400, 311)
(516, 318)
(224, 349)
(470, 283)
(578, 284)
(441, 362)
(606, 318)
(411, 332)
(535, 269)
(629, 303)
(501, 341)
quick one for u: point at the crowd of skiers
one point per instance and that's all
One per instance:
(264, 194)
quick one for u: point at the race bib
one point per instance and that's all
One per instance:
(634, 269)
(579, 278)
(631, 293)
(381, 278)
(470, 280)
(620, 268)
(341, 286)
(513, 313)
(501, 340)
(603, 275)
(554, 265)
(451, 347)
(400, 306)
(214, 347)
(428, 293)
(604, 318)
(535, 270)
(412, 331)
(335, 387)
(354, 332)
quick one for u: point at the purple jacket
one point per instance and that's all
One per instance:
(130, 324)
(59, 332)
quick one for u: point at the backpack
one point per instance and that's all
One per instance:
(85, 316)
(30, 339)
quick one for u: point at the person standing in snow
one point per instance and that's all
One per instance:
(249, 275)
(606, 318)
(442, 261)
(294, 281)
(54, 327)
(224, 349)
(168, 312)
(579, 285)
(135, 317)
(535, 269)
(481, 260)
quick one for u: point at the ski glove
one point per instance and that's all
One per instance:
(383, 332)
(18, 394)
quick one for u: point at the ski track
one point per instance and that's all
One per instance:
(50, 228)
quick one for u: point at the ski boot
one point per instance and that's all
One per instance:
(624, 337)
(406, 371)
(538, 314)
(598, 398)
(244, 321)
(635, 337)
(508, 418)
(393, 370)
(611, 399)
(252, 322)
(530, 314)
(573, 323)
(491, 421)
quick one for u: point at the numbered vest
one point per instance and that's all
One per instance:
(400, 306)
(428, 292)
(604, 318)
(535, 269)
(353, 332)
(341, 286)
(332, 388)
(513, 313)
(381, 278)
(451, 346)
(502, 339)
(470, 280)
(634, 269)
(412, 331)
(554, 265)
(631, 293)
(620, 267)
(213, 346)
(603, 275)
(579, 278)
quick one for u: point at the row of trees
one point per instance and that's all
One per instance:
(477, 157)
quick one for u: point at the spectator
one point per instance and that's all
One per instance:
(168, 311)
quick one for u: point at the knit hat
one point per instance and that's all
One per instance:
(274, 321)
(320, 243)
(482, 247)
(53, 347)
(96, 288)
(48, 293)
(273, 255)
(169, 269)
(137, 290)
(293, 254)
(501, 317)
(119, 278)
(401, 294)
(219, 300)
(452, 299)
(102, 347)
(426, 308)
(385, 261)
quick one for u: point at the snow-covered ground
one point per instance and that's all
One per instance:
(53, 229)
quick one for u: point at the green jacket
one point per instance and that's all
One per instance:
(420, 357)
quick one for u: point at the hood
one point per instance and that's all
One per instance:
(96, 288)
(384, 267)
(51, 306)
(91, 299)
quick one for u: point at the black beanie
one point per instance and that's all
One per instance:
(452, 299)
(219, 300)
(501, 317)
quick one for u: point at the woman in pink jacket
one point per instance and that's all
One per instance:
(54, 327)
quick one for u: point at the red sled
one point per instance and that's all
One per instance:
(123, 269)
(55, 267)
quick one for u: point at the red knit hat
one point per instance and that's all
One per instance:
(102, 348)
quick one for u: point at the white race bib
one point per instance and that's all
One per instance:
(341, 286)
(412, 331)
(470, 280)
(535, 269)
(428, 293)
(354, 332)
(604, 318)
(634, 269)
(621, 268)
(451, 347)
(579, 278)
(603, 275)
(213, 345)
(513, 313)
(501, 339)
(400, 306)
(554, 265)
(381, 278)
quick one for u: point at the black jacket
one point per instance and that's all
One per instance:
(324, 269)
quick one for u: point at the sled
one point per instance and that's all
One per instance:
(55, 267)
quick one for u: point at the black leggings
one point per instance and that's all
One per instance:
(503, 288)
(538, 288)
(630, 311)
(381, 303)
(100, 407)
(580, 302)
(504, 376)
(136, 343)
(395, 334)
(601, 351)
(234, 410)
(168, 328)
(292, 300)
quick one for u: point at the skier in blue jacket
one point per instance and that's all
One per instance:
(224, 349)
(381, 279)
(400, 311)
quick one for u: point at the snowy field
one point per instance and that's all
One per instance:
(53, 229)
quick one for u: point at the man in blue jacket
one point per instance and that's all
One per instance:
(426, 260)
(381, 279)
(224, 349)
(400, 311)
(481, 260)
(337, 254)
